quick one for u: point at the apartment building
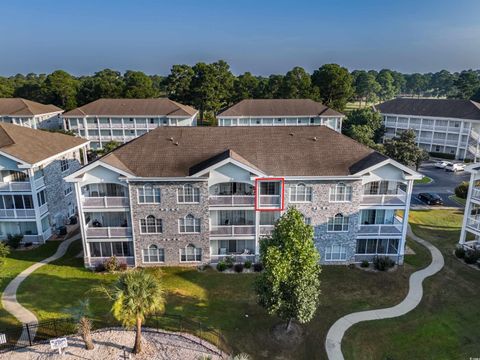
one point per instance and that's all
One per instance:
(122, 120)
(470, 234)
(34, 198)
(29, 113)
(445, 126)
(183, 195)
(280, 112)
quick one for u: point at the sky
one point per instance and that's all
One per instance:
(263, 37)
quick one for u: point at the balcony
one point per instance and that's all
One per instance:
(476, 194)
(270, 201)
(39, 183)
(15, 186)
(17, 213)
(108, 232)
(104, 202)
(232, 230)
(266, 230)
(231, 200)
(380, 230)
(384, 200)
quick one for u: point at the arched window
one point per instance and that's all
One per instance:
(300, 193)
(338, 223)
(153, 254)
(190, 254)
(188, 194)
(341, 193)
(150, 225)
(148, 194)
(189, 224)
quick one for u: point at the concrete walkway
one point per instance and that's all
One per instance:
(9, 296)
(333, 342)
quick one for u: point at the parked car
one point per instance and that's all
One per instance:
(442, 164)
(455, 167)
(430, 199)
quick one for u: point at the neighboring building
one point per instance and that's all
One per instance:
(280, 112)
(470, 235)
(442, 125)
(194, 195)
(29, 113)
(122, 120)
(34, 198)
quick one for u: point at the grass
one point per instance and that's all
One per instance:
(445, 324)
(423, 181)
(458, 200)
(354, 105)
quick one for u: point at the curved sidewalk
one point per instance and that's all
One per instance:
(9, 296)
(333, 342)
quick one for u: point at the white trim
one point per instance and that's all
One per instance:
(194, 254)
(194, 188)
(413, 174)
(148, 203)
(158, 179)
(194, 225)
(229, 161)
(153, 262)
(74, 177)
(146, 225)
(307, 178)
(279, 116)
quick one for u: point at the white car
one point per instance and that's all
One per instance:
(442, 164)
(455, 167)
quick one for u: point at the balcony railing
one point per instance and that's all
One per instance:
(237, 257)
(105, 202)
(269, 201)
(266, 230)
(17, 213)
(108, 232)
(39, 183)
(15, 186)
(43, 209)
(476, 193)
(385, 199)
(231, 200)
(232, 230)
(381, 229)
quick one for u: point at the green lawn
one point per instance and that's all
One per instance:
(423, 180)
(458, 200)
(445, 324)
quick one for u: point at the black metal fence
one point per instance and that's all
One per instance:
(26, 335)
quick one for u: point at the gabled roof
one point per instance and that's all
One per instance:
(278, 107)
(22, 107)
(32, 146)
(446, 108)
(275, 150)
(133, 107)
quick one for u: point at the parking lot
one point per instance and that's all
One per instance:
(443, 183)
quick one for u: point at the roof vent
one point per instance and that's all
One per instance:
(291, 134)
(176, 143)
(171, 139)
(314, 138)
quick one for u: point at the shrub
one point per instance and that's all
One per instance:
(14, 240)
(122, 266)
(111, 264)
(238, 267)
(442, 155)
(248, 264)
(4, 252)
(471, 256)
(365, 264)
(99, 267)
(460, 252)
(257, 267)
(462, 190)
(221, 266)
(28, 244)
(229, 261)
(382, 263)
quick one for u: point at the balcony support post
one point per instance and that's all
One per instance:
(36, 205)
(405, 222)
(466, 215)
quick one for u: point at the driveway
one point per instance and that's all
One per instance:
(443, 184)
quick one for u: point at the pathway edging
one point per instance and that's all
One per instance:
(333, 341)
(9, 296)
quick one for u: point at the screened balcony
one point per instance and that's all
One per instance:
(108, 225)
(269, 194)
(384, 193)
(104, 196)
(18, 207)
(380, 222)
(11, 180)
(231, 194)
(241, 250)
(268, 220)
(232, 223)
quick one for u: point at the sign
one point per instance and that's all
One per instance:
(58, 344)
(3, 339)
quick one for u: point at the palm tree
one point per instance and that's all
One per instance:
(136, 295)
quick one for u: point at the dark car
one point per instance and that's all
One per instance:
(430, 199)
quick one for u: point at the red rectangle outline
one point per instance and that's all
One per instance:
(282, 198)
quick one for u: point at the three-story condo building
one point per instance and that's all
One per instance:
(470, 235)
(30, 113)
(122, 120)
(280, 112)
(34, 198)
(445, 126)
(181, 195)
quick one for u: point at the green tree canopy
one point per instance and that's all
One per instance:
(138, 85)
(297, 84)
(335, 85)
(366, 86)
(60, 89)
(467, 84)
(179, 84)
(289, 286)
(404, 149)
(364, 126)
(387, 85)
(104, 84)
(246, 86)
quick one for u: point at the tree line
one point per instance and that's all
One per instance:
(212, 87)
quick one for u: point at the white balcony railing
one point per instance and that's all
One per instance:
(266, 230)
(43, 209)
(15, 186)
(17, 213)
(474, 135)
(381, 229)
(269, 201)
(231, 200)
(476, 193)
(473, 223)
(232, 230)
(108, 232)
(386, 199)
(39, 183)
(105, 202)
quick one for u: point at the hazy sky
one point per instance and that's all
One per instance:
(263, 37)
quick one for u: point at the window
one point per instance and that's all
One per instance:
(377, 246)
(189, 224)
(335, 253)
(150, 225)
(64, 165)
(301, 193)
(269, 188)
(307, 220)
(338, 223)
(148, 194)
(188, 194)
(107, 249)
(341, 193)
(190, 254)
(42, 199)
(68, 189)
(153, 254)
